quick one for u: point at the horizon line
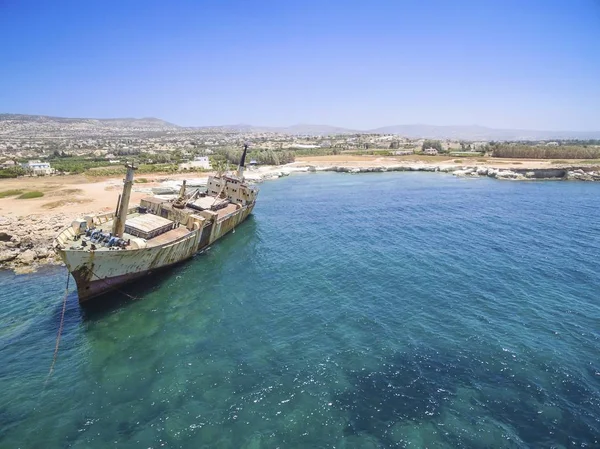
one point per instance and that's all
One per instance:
(301, 124)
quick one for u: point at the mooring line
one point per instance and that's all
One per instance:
(60, 329)
(114, 288)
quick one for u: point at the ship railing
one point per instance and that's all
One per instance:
(225, 217)
(230, 214)
(180, 239)
(103, 218)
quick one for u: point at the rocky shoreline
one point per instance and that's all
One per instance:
(571, 173)
(26, 242)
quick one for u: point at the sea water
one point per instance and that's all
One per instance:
(350, 311)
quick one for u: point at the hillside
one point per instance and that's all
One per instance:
(475, 132)
(22, 125)
(470, 132)
(39, 126)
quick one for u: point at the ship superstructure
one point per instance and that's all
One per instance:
(105, 251)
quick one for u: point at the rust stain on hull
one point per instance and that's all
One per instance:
(98, 272)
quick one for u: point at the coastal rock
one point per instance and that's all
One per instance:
(27, 257)
(464, 172)
(8, 255)
(580, 175)
(14, 243)
(506, 174)
(482, 171)
(26, 242)
(42, 253)
(4, 237)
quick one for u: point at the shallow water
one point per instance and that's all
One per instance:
(384, 310)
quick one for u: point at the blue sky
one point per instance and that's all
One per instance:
(513, 63)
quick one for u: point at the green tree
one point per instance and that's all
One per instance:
(435, 144)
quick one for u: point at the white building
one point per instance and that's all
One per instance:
(198, 162)
(304, 146)
(38, 168)
(8, 164)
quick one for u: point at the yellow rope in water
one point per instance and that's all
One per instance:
(60, 329)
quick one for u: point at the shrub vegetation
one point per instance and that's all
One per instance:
(263, 157)
(545, 152)
(13, 172)
(7, 193)
(30, 195)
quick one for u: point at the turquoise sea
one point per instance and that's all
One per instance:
(350, 311)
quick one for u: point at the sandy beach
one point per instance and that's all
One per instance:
(73, 194)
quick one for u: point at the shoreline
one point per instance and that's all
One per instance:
(28, 227)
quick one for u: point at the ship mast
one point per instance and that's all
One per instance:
(240, 170)
(123, 206)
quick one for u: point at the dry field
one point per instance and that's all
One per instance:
(378, 161)
(72, 194)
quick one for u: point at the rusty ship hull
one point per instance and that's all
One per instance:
(99, 272)
(104, 252)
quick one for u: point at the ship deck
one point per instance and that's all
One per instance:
(161, 239)
(168, 236)
(141, 226)
(229, 209)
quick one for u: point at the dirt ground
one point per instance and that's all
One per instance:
(74, 194)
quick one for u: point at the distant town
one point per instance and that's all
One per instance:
(38, 145)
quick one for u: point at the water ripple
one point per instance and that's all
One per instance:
(386, 310)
